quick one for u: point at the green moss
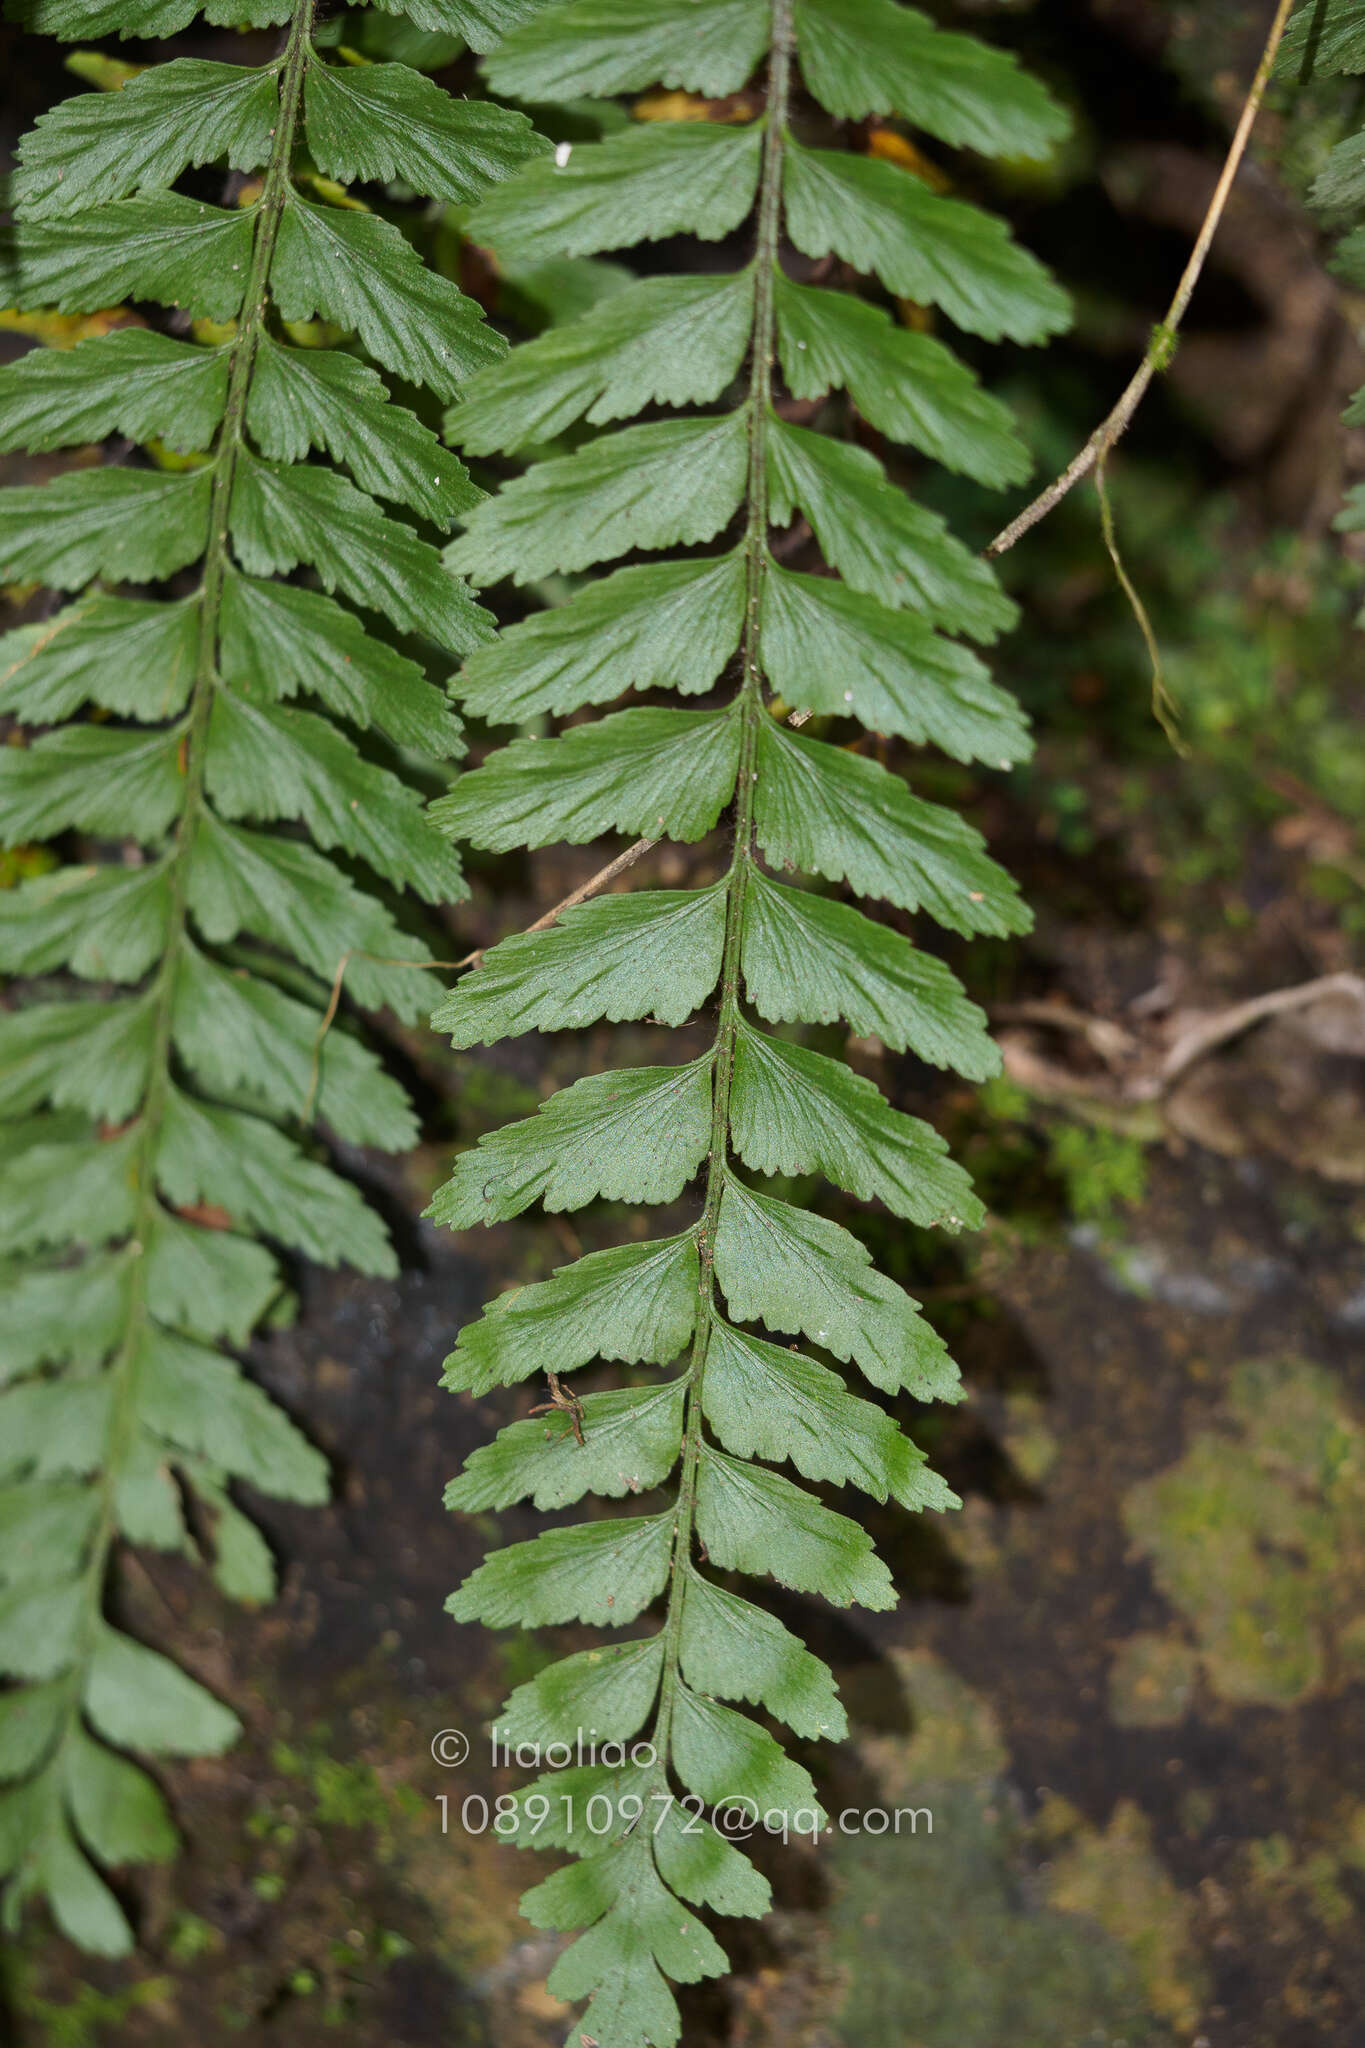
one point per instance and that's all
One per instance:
(1321, 1879)
(85, 2021)
(1117, 1880)
(190, 1937)
(349, 1794)
(1103, 1171)
(1035, 1934)
(1152, 1681)
(1257, 1537)
(1032, 1445)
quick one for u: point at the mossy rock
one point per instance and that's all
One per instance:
(1257, 1538)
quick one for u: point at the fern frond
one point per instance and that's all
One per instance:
(157, 1150)
(480, 23)
(1327, 39)
(863, 645)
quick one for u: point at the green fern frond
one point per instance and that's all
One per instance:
(1326, 38)
(157, 1150)
(864, 646)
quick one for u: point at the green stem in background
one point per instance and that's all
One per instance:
(749, 710)
(1165, 710)
(123, 1369)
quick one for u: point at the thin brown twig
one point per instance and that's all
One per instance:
(581, 894)
(595, 882)
(333, 1002)
(1150, 1080)
(1210, 1032)
(1163, 339)
(1112, 1042)
(591, 887)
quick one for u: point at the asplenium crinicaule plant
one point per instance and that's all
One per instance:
(156, 1149)
(864, 646)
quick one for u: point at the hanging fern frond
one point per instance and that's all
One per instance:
(1326, 39)
(156, 1148)
(862, 645)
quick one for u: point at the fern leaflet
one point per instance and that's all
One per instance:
(865, 647)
